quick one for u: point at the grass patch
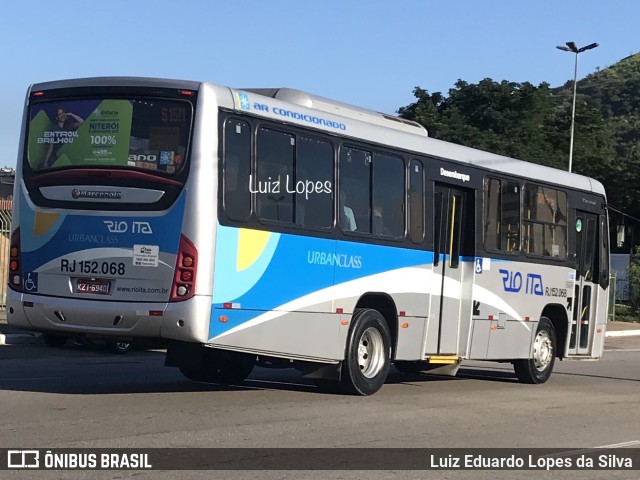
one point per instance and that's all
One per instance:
(624, 313)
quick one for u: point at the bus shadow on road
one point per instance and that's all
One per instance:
(498, 374)
(463, 374)
(292, 382)
(592, 375)
(123, 387)
(83, 371)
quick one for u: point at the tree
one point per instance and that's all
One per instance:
(634, 281)
(523, 121)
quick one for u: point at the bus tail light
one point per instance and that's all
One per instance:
(15, 264)
(184, 277)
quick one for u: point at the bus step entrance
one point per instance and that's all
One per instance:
(444, 359)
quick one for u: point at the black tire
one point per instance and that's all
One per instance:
(220, 366)
(231, 367)
(537, 370)
(195, 374)
(53, 340)
(368, 353)
(120, 347)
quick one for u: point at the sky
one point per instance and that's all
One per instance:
(369, 53)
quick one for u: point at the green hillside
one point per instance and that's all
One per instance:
(533, 123)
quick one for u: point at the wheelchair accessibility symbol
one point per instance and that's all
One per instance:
(31, 282)
(478, 265)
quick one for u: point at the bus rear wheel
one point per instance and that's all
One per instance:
(220, 366)
(538, 368)
(120, 348)
(53, 340)
(367, 358)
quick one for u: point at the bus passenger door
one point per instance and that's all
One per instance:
(450, 290)
(586, 287)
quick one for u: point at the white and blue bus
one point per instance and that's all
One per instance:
(275, 227)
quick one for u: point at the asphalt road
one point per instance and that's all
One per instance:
(79, 397)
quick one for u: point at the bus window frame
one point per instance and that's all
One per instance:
(544, 224)
(53, 96)
(493, 176)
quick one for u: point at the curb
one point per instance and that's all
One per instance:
(623, 333)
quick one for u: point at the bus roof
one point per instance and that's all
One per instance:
(395, 132)
(117, 82)
(317, 102)
(295, 106)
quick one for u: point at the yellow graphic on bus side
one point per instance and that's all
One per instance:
(43, 222)
(251, 244)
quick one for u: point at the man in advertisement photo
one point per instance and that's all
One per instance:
(65, 122)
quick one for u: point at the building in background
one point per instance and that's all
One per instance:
(7, 177)
(624, 238)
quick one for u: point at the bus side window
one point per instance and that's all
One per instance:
(237, 170)
(510, 217)
(355, 172)
(491, 213)
(388, 212)
(416, 201)
(604, 249)
(274, 168)
(314, 183)
(501, 215)
(545, 221)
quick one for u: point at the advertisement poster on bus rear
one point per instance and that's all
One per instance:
(79, 133)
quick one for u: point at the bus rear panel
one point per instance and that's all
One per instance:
(99, 247)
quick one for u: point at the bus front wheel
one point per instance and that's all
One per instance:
(367, 357)
(538, 368)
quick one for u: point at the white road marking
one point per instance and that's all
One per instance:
(631, 443)
(621, 445)
(623, 333)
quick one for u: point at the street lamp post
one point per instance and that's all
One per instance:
(571, 47)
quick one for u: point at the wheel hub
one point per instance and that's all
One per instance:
(542, 351)
(370, 353)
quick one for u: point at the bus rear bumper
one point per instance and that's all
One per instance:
(185, 321)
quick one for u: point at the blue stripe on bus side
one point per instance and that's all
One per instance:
(297, 266)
